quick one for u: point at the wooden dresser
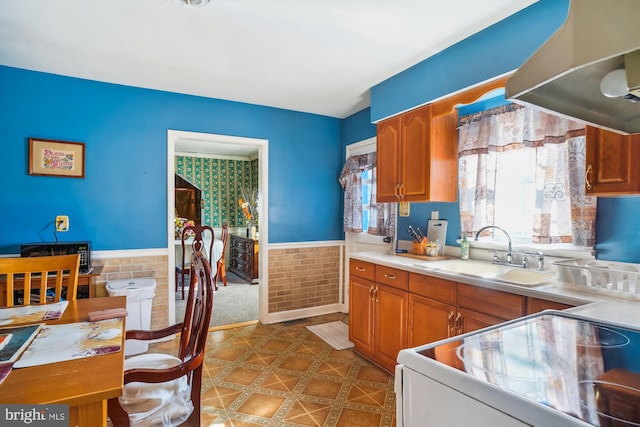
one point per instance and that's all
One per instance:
(244, 257)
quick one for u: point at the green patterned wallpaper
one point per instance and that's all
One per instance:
(220, 181)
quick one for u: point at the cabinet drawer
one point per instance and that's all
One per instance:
(393, 277)
(433, 287)
(365, 270)
(494, 303)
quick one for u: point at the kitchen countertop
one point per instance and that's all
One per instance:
(610, 306)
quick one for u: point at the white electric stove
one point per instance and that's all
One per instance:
(547, 369)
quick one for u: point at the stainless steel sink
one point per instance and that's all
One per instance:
(487, 270)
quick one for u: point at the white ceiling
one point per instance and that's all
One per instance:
(315, 56)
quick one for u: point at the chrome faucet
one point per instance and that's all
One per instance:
(510, 250)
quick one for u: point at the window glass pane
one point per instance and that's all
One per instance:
(366, 198)
(516, 192)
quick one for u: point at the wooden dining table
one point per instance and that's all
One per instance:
(84, 384)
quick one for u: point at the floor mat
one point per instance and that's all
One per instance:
(336, 334)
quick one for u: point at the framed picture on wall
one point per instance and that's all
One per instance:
(56, 158)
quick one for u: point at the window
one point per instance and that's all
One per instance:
(523, 170)
(366, 199)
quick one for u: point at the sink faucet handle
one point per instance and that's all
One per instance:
(540, 256)
(525, 261)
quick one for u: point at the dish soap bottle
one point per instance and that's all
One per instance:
(464, 247)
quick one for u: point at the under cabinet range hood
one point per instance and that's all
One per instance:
(589, 69)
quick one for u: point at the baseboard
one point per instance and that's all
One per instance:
(301, 313)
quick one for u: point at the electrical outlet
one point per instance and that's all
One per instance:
(62, 223)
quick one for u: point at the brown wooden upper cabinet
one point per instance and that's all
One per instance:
(418, 150)
(612, 162)
(403, 157)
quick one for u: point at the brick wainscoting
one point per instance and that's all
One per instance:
(138, 266)
(303, 277)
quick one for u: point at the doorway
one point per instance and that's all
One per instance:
(219, 145)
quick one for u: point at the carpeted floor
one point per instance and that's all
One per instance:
(235, 303)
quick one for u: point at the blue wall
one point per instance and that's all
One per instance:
(618, 229)
(498, 49)
(122, 202)
(357, 127)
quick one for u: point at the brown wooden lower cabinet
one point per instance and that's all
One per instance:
(536, 305)
(361, 314)
(429, 320)
(390, 333)
(469, 320)
(377, 312)
(391, 309)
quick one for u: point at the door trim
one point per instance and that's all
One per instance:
(263, 226)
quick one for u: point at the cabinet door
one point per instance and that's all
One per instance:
(390, 324)
(429, 320)
(500, 304)
(612, 162)
(535, 305)
(443, 157)
(414, 154)
(388, 160)
(470, 320)
(361, 314)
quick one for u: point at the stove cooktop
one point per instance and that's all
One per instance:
(584, 368)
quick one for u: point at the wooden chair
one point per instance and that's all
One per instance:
(221, 272)
(177, 380)
(40, 273)
(197, 244)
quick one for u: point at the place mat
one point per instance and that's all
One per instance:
(336, 334)
(5, 370)
(32, 313)
(58, 343)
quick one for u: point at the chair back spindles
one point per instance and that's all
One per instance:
(40, 274)
(199, 232)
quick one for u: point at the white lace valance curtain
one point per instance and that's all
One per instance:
(381, 215)
(560, 168)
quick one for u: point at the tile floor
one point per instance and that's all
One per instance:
(284, 375)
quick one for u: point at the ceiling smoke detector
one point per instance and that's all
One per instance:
(191, 3)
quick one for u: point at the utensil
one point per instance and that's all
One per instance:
(413, 234)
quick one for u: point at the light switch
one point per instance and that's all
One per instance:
(405, 209)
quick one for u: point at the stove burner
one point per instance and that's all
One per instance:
(612, 398)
